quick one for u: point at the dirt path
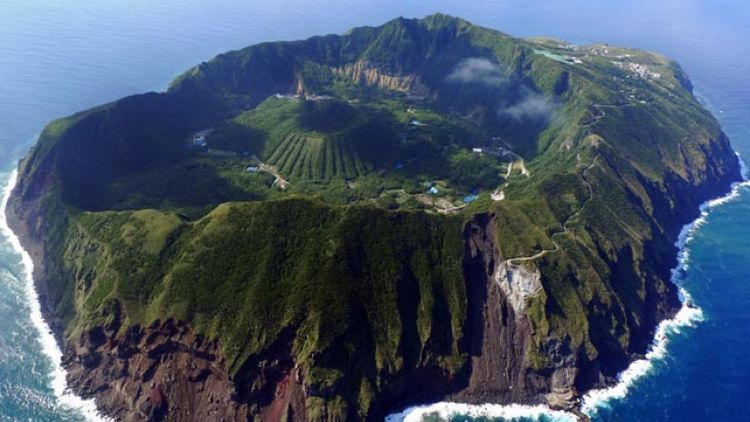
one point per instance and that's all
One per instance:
(521, 165)
(451, 209)
(498, 195)
(584, 174)
(533, 257)
(524, 170)
(565, 229)
(603, 114)
(275, 172)
(510, 169)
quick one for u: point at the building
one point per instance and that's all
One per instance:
(433, 190)
(252, 169)
(476, 150)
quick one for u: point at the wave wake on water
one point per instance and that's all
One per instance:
(447, 410)
(687, 317)
(65, 397)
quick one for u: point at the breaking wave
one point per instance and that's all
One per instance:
(65, 397)
(688, 316)
(447, 410)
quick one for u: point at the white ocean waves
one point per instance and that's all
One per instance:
(446, 410)
(49, 346)
(687, 317)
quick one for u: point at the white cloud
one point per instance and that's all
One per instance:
(532, 106)
(478, 70)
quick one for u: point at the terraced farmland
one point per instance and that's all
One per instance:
(349, 155)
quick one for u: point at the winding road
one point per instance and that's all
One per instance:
(565, 229)
(584, 174)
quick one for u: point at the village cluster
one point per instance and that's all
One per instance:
(435, 194)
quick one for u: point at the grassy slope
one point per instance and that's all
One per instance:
(239, 278)
(143, 222)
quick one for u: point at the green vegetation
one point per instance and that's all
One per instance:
(239, 278)
(336, 208)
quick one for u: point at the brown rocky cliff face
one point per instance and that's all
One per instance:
(363, 72)
(496, 339)
(168, 372)
(27, 218)
(162, 372)
(498, 336)
(271, 383)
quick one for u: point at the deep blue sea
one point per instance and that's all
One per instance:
(61, 56)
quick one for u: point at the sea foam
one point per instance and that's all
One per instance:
(65, 397)
(688, 316)
(448, 410)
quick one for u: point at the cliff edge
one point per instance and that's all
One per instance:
(341, 227)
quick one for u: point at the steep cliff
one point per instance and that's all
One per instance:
(427, 210)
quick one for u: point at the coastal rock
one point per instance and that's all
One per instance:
(498, 334)
(518, 283)
(161, 372)
(239, 306)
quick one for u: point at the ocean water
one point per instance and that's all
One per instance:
(60, 57)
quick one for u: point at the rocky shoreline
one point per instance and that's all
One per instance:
(31, 240)
(182, 295)
(147, 373)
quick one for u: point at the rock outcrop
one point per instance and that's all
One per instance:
(161, 372)
(498, 334)
(362, 72)
(261, 308)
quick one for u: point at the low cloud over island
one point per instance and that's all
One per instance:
(478, 70)
(531, 106)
